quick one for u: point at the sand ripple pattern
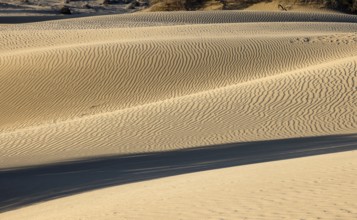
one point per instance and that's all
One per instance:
(70, 92)
(50, 78)
(183, 18)
(320, 100)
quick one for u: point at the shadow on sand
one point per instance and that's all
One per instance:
(31, 185)
(29, 19)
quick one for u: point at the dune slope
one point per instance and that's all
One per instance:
(119, 85)
(78, 90)
(319, 187)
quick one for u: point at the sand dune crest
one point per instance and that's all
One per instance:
(152, 82)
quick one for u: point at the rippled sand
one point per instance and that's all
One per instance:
(121, 84)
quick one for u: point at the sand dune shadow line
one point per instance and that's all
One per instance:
(26, 186)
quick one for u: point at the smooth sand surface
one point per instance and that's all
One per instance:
(122, 84)
(31, 185)
(319, 187)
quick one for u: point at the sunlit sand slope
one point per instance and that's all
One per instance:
(320, 187)
(73, 89)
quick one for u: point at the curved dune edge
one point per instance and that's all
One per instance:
(182, 18)
(113, 85)
(258, 110)
(312, 187)
(91, 86)
(63, 75)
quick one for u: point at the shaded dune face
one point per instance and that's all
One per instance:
(274, 190)
(107, 85)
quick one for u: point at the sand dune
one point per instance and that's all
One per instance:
(137, 70)
(123, 84)
(183, 18)
(256, 110)
(74, 93)
(307, 188)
